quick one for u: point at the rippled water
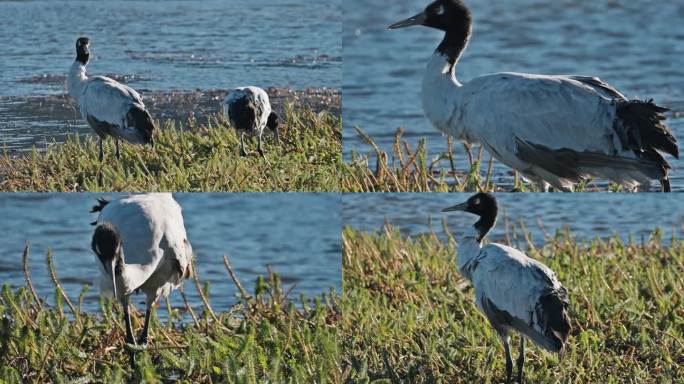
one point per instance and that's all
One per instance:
(162, 46)
(637, 46)
(254, 230)
(587, 216)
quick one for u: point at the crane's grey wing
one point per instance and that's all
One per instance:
(516, 292)
(568, 127)
(600, 86)
(553, 111)
(105, 104)
(140, 221)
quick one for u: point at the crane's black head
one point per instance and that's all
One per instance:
(107, 246)
(444, 15)
(483, 205)
(272, 124)
(450, 16)
(83, 50)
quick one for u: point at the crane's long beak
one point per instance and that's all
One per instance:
(418, 19)
(458, 207)
(111, 273)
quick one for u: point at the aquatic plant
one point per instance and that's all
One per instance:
(190, 157)
(410, 317)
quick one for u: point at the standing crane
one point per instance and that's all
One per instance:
(249, 111)
(556, 130)
(110, 108)
(514, 291)
(141, 245)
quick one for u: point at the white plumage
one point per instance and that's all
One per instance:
(109, 107)
(141, 244)
(556, 130)
(515, 292)
(248, 110)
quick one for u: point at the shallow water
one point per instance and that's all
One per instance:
(634, 45)
(586, 216)
(254, 230)
(163, 46)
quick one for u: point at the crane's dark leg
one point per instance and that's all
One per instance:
(665, 182)
(118, 152)
(242, 144)
(143, 337)
(127, 321)
(276, 132)
(521, 359)
(259, 147)
(509, 359)
(101, 151)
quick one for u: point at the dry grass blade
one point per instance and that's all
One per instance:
(243, 291)
(58, 285)
(27, 276)
(188, 307)
(200, 291)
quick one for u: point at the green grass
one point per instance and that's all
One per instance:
(190, 158)
(408, 169)
(409, 317)
(264, 338)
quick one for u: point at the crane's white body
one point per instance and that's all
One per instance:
(510, 281)
(252, 101)
(558, 112)
(105, 103)
(157, 253)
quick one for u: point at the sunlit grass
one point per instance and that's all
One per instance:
(409, 169)
(265, 337)
(410, 317)
(190, 158)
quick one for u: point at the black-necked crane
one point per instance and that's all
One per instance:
(248, 110)
(141, 245)
(556, 130)
(514, 291)
(110, 108)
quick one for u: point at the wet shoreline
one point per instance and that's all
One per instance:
(35, 121)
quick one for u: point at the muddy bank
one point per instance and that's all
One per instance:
(26, 122)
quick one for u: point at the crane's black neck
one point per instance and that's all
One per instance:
(486, 222)
(82, 56)
(456, 39)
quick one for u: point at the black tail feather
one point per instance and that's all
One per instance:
(552, 311)
(101, 203)
(142, 121)
(641, 127)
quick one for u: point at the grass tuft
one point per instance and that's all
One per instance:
(408, 169)
(189, 158)
(265, 337)
(410, 317)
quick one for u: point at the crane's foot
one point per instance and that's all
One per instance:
(142, 341)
